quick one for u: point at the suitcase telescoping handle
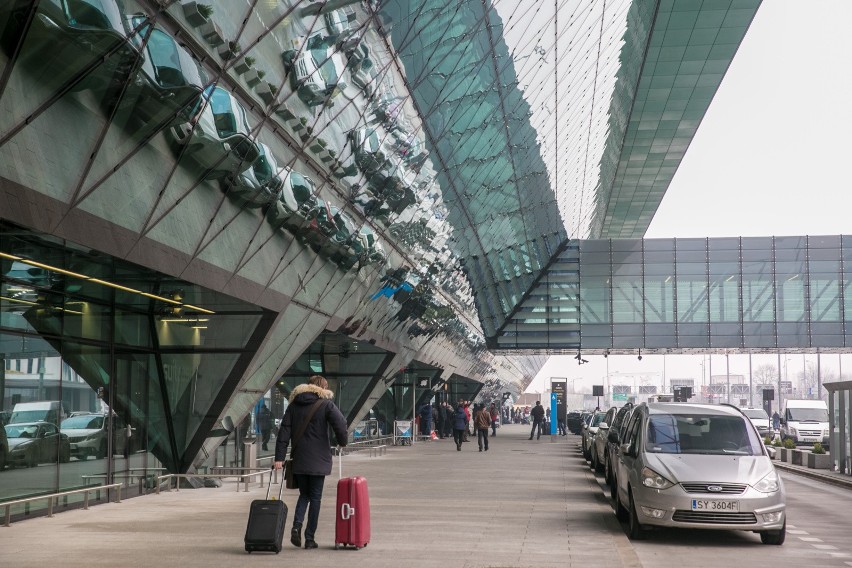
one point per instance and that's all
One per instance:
(339, 463)
(280, 489)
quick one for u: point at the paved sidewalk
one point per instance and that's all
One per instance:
(521, 504)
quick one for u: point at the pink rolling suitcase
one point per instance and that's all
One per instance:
(352, 527)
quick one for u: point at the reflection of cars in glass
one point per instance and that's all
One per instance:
(88, 435)
(218, 135)
(4, 448)
(169, 81)
(368, 247)
(339, 22)
(370, 149)
(697, 466)
(338, 247)
(295, 203)
(32, 443)
(316, 72)
(259, 184)
(70, 34)
(52, 411)
(321, 225)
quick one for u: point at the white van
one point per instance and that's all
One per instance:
(805, 422)
(52, 411)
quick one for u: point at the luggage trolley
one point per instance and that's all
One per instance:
(402, 432)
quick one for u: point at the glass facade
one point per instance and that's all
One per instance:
(129, 367)
(677, 295)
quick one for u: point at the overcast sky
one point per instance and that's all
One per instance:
(770, 158)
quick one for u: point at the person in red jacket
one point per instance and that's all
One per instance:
(466, 406)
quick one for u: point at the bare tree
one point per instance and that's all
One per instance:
(765, 376)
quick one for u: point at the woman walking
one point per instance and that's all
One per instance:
(306, 421)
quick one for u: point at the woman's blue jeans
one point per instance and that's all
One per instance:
(310, 493)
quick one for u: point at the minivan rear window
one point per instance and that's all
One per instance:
(700, 434)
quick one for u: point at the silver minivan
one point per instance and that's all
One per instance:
(697, 466)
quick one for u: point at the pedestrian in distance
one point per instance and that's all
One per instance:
(264, 421)
(310, 413)
(468, 414)
(776, 421)
(459, 420)
(537, 417)
(482, 421)
(495, 416)
(560, 424)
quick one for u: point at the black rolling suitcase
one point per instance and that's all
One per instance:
(267, 517)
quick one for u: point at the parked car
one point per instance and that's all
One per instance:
(574, 422)
(32, 443)
(169, 82)
(218, 135)
(760, 419)
(598, 446)
(613, 440)
(805, 422)
(296, 202)
(259, 184)
(697, 466)
(316, 72)
(88, 435)
(589, 433)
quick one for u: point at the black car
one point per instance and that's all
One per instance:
(614, 436)
(574, 422)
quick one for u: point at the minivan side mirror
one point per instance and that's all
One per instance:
(624, 449)
(603, 426)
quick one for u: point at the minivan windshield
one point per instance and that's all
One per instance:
(701, 434)
(757, 413)
(807, 414)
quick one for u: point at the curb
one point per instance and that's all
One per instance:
(812, 474)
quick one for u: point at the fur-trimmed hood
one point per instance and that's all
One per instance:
(310, 389)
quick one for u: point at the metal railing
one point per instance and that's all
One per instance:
(243, 478)
(53, 496)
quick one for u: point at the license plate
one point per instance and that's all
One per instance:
(715, 505)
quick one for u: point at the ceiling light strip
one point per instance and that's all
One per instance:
(102, 282)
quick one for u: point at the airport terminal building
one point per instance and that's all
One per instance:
(204, 203)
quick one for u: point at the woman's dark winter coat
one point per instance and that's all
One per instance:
(459, 419)
(312, 453)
